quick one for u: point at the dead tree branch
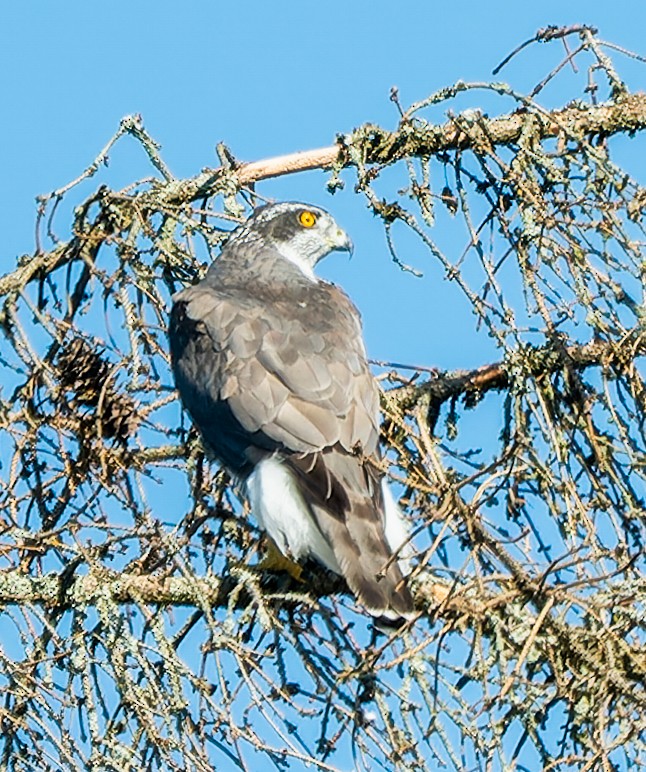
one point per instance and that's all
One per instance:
(528, 362)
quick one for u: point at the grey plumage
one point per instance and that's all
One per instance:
(270, 363)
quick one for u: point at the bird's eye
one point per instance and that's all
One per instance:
(307, 219)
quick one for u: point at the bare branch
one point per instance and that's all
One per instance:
(378, 146)
(527, 362)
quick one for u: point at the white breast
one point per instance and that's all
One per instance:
(281, 510)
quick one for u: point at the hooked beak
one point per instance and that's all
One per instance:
(341, 241)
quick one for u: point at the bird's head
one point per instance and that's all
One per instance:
(301, 233)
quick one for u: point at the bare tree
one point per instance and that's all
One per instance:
(130, 643)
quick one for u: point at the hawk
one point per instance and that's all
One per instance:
(270, 364)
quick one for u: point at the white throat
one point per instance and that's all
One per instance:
(294, 256)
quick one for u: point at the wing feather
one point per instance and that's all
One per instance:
(297, 375)
(347, 503)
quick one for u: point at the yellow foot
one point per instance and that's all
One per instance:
(274, 560)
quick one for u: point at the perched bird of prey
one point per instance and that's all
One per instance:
(270, 363)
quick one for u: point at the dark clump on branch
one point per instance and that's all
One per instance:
(86, 375)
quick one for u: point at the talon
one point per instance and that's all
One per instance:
(274, 560)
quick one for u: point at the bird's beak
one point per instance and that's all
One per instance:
(340, 240)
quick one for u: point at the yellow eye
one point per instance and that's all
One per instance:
(307, 219)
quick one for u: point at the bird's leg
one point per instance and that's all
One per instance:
(274, 560)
